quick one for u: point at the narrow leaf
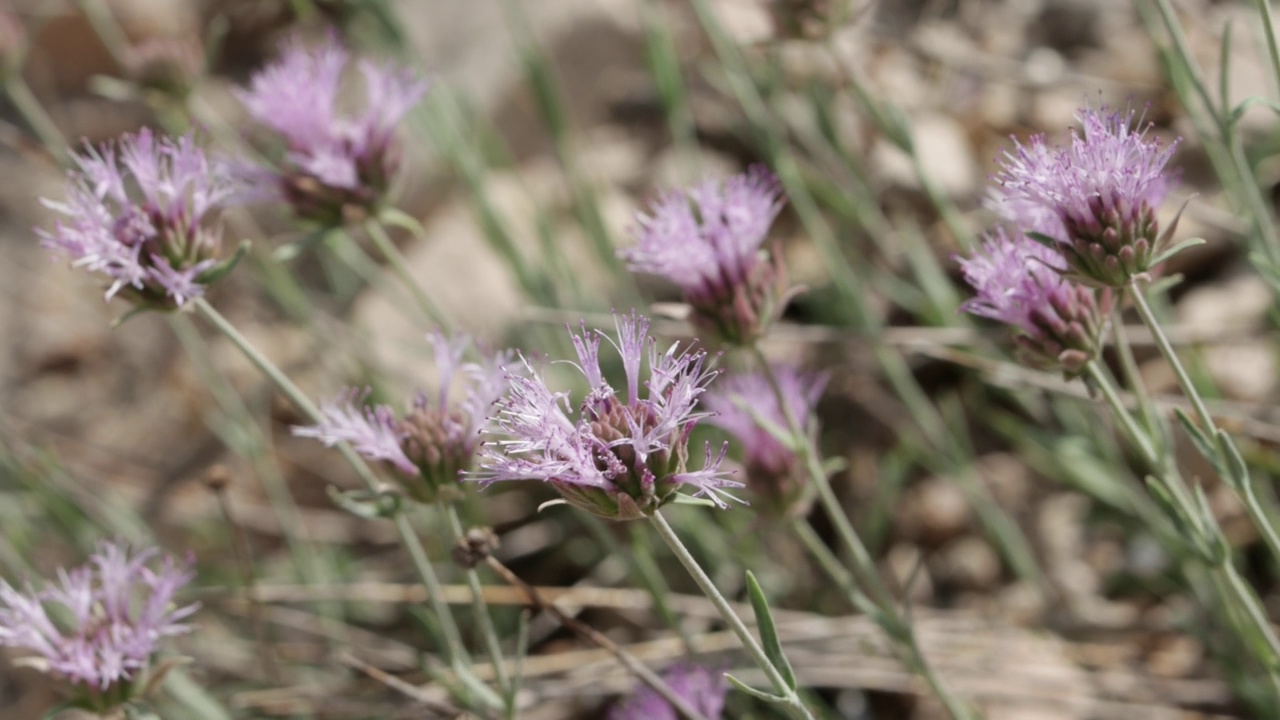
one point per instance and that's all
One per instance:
(768, 632)
(757, 694)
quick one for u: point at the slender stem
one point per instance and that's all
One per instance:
(400, 266)
(1259, 515)
(1130, 366)
(481, 609)
(597, 638)
(34, 113)
(831, 564)
(788, 696)
(894, 624)
(456, 651)
(1135, 433)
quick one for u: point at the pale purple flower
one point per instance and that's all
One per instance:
(98, 625)
(702, 688)
(742, 405)
(374, 432)
(620, 455)
(335, 163)
(435, 440)
(1020, 283)
(140, 212)
(1095, 198)
(709, 241)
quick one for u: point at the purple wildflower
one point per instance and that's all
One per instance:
(702, 688)
(138, 212)
(335, 165)
(111, 613)
(1019, 282)
(709, 241)
(435, 441)
(623, 456)
(1095, 199)
(743, 403)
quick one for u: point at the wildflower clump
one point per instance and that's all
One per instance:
(1020, 283)
(620, 455)
(703, 689)
(332, 166)
(746, 406)
(709, 241)
(1094, 200)
(433, 443)
(142, 212)
(97, 628)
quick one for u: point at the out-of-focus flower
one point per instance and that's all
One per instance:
(621, 456)
(98, 626)
(142, 212)
(709, 240)
(742, 404)
(435, 441)
(1095, 199)
(334, 166)
(1019, 282)
(703, 689)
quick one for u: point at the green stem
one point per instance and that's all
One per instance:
(1259, 515)
(400, 266)
(1135, 433)
(34, 113)
(893, 622)
(831, 565)
(787, 696)
(453, 639)
(481, 610)
(1131, 373)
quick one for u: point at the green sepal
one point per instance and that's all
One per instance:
(682, 499)
(768, 631)
(1044, 240)
(367, 504)
(1175, 249)
(219, 271)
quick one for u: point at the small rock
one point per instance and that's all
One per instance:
(968, 563)
(933, 512)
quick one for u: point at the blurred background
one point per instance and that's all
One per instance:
(549, 125)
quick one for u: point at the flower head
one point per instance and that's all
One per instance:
(435, 441)
(743, 404)
(1095, 198)
(702, 688)
(335, 165)
(97, 627)
(621, 455)
(1020, 282)
(140, 212)
(709, 241)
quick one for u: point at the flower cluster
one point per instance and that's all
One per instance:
(624, 455)
(140, 212)
(1019, 282)
(98, 626)
(334, 166)
(703, 689)
(745, 405)
(1094, 199)
(434, 442)
(709, 241)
